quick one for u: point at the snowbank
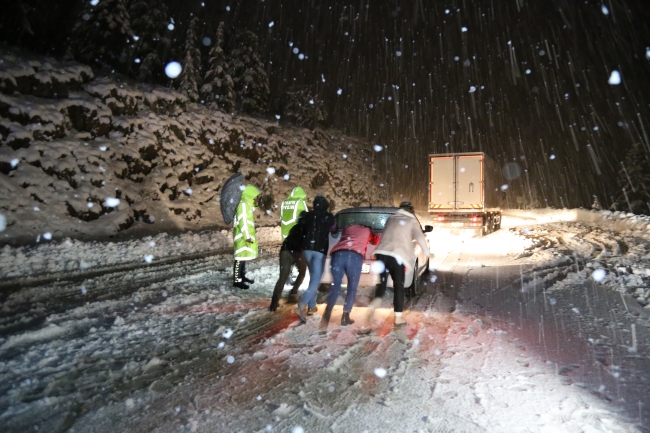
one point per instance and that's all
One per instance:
(75, 255)
(611, 247)
(626, 223)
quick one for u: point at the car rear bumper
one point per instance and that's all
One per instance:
(366, 279)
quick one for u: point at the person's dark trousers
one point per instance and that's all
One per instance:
(348, 263)
(288, 259)
(396, 271)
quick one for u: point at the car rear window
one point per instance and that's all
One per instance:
(374, 220)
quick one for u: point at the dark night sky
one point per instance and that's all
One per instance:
(406, 70)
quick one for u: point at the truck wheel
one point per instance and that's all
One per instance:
(489, 226)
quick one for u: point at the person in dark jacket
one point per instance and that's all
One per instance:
(347, 258)
(316, 225)
(290, 254)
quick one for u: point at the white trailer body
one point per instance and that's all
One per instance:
(464, 191)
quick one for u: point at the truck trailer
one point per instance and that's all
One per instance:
(465, 191)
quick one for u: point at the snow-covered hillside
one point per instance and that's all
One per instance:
(71, 143)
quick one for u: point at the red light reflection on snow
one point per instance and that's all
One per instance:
(284, 320)
(221, 308)
(415, 322)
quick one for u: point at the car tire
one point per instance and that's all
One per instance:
(411, 291)
(426, 268)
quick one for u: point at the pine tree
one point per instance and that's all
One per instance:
(151, 46)
(101, 35)
(219, 87)
(634, 182)
(191, 75)
(248, 74)
(15, 25)
(303, 108)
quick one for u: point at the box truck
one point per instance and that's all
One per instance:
(465, 191)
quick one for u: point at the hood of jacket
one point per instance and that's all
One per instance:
(249, 193)
(321, 204)
(405, 213)
(298, 192)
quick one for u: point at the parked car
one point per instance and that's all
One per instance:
(375, 218)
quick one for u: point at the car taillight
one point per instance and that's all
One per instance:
(474, 218)
(441, 218)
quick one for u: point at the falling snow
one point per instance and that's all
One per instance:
(173, 69)
(614, 78)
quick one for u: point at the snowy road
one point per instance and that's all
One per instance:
(510, 334)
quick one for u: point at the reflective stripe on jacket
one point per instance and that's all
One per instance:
(291, 209)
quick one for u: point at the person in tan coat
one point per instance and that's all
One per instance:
(396, 251)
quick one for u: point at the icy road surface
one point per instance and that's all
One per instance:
(510, 334)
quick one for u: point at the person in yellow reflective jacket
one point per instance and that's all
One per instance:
(291, 251)
(244, 238)
(291, 209)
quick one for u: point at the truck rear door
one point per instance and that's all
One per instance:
(441, 195)
(469, 178)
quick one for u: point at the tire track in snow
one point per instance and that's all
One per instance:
(58, 297)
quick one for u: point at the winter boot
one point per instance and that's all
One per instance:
(374, 304)
(311, 311)
(325, 320)
(242, 273)
(275, 303)
(345, 320)
(301, 313)
(399, 320)
(241, 285)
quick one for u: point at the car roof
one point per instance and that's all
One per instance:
(374, 209)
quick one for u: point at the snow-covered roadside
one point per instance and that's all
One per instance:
(609, 247)
(75, 255)
(178, 349)
(190, 354)
(613, 252)
(576, 293)
(447, 373)
(622, 222)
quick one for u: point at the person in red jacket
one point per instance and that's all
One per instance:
(347, 258)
